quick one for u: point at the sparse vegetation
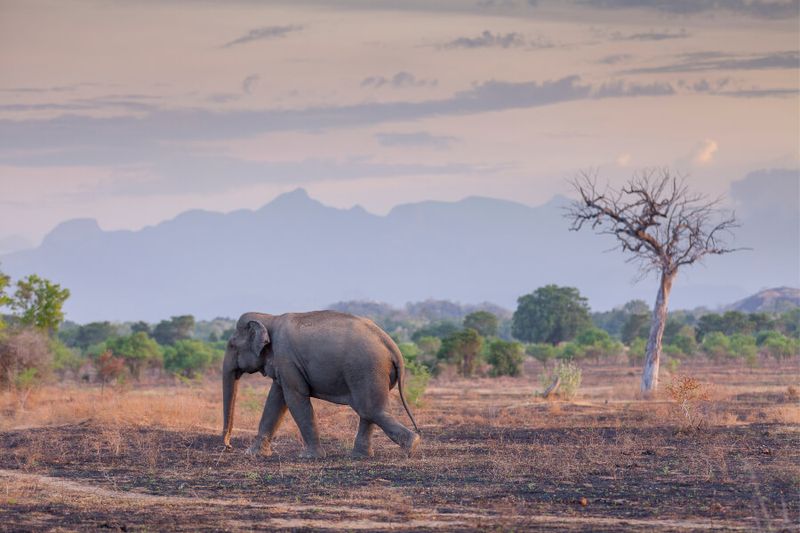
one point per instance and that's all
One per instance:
(568, 375)
(159, 452)
(690, 397)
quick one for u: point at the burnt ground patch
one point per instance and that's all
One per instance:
(478, 474)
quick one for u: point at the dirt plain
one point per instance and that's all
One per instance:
(494, 457)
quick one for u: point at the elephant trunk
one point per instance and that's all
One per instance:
(230, 385)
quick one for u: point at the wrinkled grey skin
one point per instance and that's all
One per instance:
(324, 354)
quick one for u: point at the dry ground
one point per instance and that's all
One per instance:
(494, 457)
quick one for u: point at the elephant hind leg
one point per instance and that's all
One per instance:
(401, 435)
(363, 444)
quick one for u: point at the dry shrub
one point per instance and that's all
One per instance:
(691, 398)
(792, 394)
(24, 352)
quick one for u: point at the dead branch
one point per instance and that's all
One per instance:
(654, 218)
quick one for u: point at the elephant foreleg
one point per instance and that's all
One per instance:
(303, 414)
(274, 411)
(363, 444)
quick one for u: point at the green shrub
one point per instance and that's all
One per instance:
(428, 348)
(542, 352)
(570, 376)
(716, 345)
(685, 341)
(570, 351)
(505, 357)
(65, 358)
(463, 349)
(743, 346)
(597, 344)
(189, 357)
(417, 378)
(777, 345)
(637, 351)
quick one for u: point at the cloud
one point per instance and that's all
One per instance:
(613, 59)
(721, 87)
(754, 8)
(621, 88)
(401, 80)
(125, 102)
(762, 93)
(651, 36)
(71, 132)
(414, 139)
(53, 89)
(266, 32)
(488, 39)
(704, 153)
(709, 61)
(250, 83)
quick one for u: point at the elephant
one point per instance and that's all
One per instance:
(332, 356)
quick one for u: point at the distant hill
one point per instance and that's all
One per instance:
(296, 254)
(774, 300)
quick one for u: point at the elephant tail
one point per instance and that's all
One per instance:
(399, 368)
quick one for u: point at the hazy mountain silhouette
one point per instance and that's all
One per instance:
(298, 254)
(774, 300)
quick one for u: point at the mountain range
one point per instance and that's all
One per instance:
(297, 254)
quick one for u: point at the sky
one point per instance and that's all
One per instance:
(131, 112)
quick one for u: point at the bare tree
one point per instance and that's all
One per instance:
(663, 226)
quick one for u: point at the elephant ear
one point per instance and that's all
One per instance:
(258, 336)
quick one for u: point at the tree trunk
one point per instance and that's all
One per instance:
(652, 357)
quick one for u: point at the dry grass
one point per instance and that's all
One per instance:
(494, 456)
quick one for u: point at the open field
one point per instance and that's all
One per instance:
(493, 457)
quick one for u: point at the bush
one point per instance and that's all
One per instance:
(137, 349)
(417, 377)
(65, 359)
(743, 347)
(597, 344)
(109, 368)
(570, 376)
(777, 345)
(463, 349)
(685, 341)
(189, 357)
(689, 395)
(636, 352)
(570, 351)
(428, 348)
(542, 352)
(24, 354)
(506, 358)
(716, 345)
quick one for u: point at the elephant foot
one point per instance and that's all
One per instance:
(312, 453)
(360, 453)
(259, 448)
(411, 446)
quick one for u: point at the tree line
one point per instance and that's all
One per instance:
(552, 323)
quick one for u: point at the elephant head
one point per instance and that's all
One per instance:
(245, 353)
